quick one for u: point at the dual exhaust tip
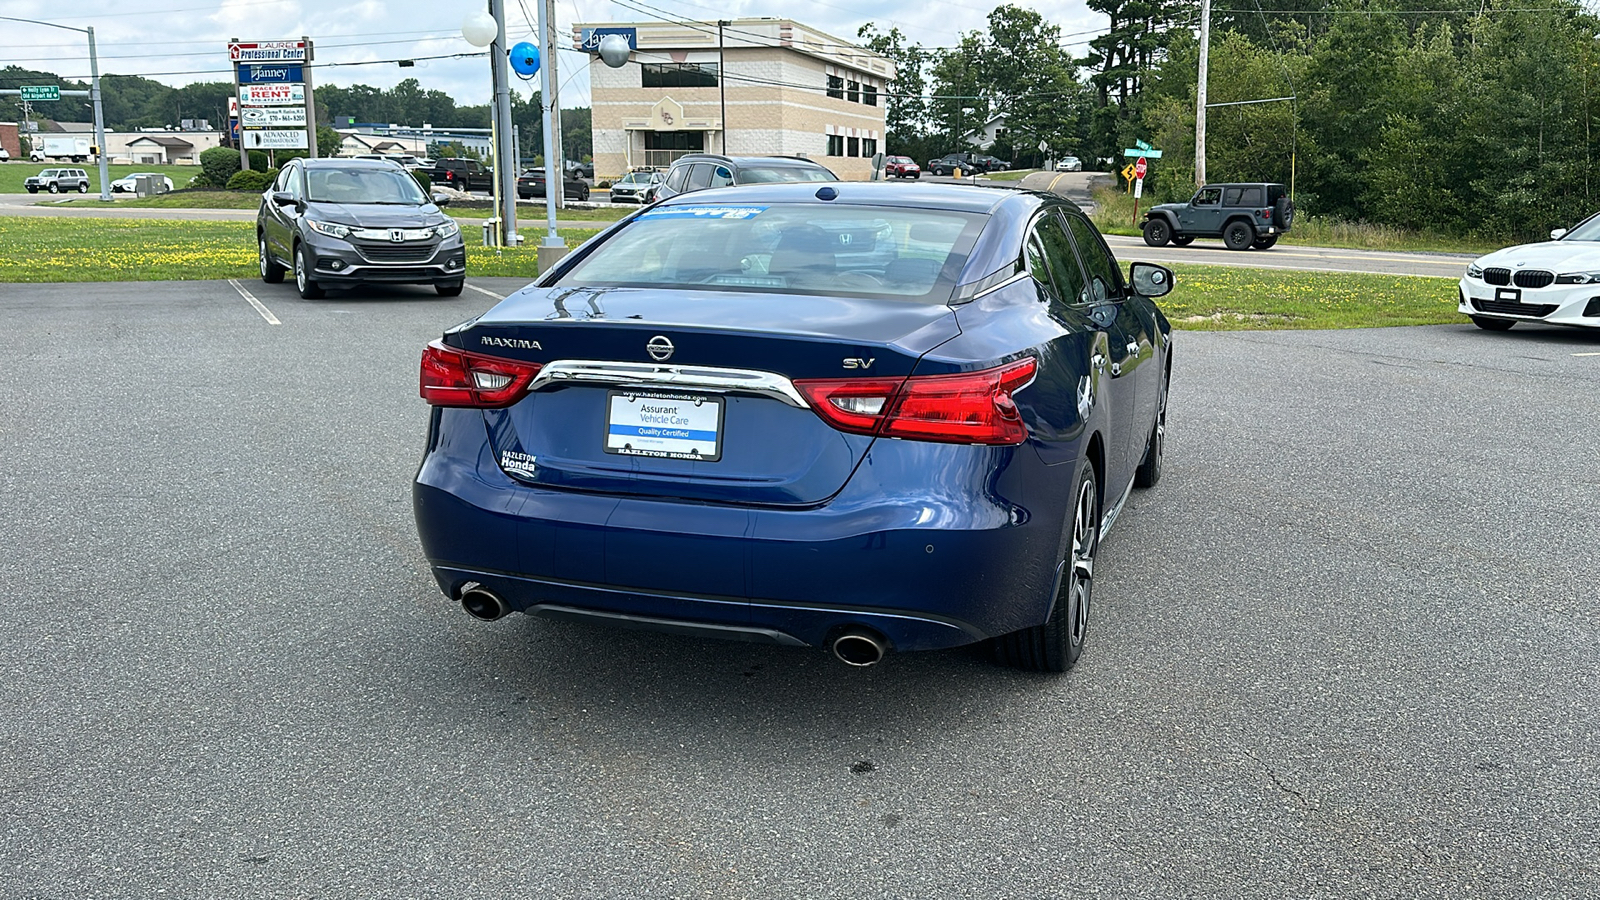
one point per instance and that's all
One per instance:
(854, 646)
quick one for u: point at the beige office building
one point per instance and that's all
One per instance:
(787, 90)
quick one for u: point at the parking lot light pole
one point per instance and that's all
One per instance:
(489, 30)
(94, 97)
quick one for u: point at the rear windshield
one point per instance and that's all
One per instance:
(813, 248)
(769, 174)
(363, 185)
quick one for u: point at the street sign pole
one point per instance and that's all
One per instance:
(311, 103)
(99, 119)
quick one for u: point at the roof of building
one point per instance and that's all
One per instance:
(169, 142)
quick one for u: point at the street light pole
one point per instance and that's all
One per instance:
(94, 96)
(552, 248)
(1200, 94)
(489, 30)
(722, 83)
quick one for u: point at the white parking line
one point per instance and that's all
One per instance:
(1586, 354)
(260, 307)
(473, 287)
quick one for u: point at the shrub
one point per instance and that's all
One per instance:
(251, 180)
(603, 184)
(259, 161)
(217, 165)
(423, 179)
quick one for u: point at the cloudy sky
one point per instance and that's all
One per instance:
(182, 41)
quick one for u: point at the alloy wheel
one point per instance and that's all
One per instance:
(1080, 572)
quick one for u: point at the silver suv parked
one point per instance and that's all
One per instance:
(57, 180)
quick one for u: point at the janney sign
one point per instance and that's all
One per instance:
(272, 95)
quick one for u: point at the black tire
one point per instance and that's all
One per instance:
(1157, 232)
(1283, 213)
(449, 290)
(583, 194)
(1488, 324)
(1149, 471)
(1265, 243)
(308, 288)
(83, 187)
(1056, 645)
(1238, 235)
(271, 272)
(917, 177)
(1182, 240)
(55, 188)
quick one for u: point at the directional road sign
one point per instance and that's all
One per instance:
(1140, 167)
(1136, 152)
(41, 92)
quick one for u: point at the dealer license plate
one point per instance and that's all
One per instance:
(1508, 295)
(671, 426)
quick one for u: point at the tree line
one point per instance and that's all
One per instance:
(130, 102)
(1458, 116)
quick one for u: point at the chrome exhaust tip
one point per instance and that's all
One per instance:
(859, 647)
(482, 603)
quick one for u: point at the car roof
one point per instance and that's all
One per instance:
(345, 163)
(924, 195)
(751, 160)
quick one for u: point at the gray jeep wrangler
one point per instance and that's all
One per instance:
(1243, 215)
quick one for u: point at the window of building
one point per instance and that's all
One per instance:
(855, 147)
(852, 91)
(869, 94)
(671, 75)
(835, 145)
(835, 87)
(869, 146)
(674, 140)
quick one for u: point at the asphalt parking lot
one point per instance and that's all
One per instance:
(1346, 648)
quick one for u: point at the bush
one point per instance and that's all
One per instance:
(423, 179)
(603, 184)
(217, 165)
(251, 180)
(259, 161)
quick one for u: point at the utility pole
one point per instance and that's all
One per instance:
(722, 82)
(311, 104)
(1200, 92)
(99, 117)
(547, 60)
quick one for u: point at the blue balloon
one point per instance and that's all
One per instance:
(525, 59)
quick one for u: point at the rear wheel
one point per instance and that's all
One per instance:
(83, 187)
(1238, 235)
(1265, 243)
(449, 290)
(1149, 471)
(1488, 324)
(271, 272)
(309, 289)
(583, 193)
(1056, 645)
(1156, 233)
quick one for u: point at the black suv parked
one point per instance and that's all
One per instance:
(337, 223)
(1243, 215)
(699, 171)
(462, 174)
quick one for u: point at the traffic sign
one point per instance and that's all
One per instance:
(1141, 145)
(1127, 172)
(41, 92)
(1135, 152)
(1140, 167)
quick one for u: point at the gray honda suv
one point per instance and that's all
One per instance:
(338, 223)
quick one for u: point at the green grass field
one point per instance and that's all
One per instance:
(38, 249)
(13, 173)
(1215, 298)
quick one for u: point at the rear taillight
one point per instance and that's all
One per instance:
(1266, 214)
(452, 377)
(965, 408)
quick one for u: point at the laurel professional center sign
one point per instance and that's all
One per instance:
(272, 95)
(267, 51)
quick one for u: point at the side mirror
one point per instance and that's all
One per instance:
(1558, 234)
(440, 200)
(283, 198)
(1150, 280)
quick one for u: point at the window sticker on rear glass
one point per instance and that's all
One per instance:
(703, 212)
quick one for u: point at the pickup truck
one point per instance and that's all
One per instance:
(462, 174)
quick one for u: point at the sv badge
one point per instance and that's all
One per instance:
(858, 363)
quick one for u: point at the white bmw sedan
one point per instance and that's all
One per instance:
(1555, 281)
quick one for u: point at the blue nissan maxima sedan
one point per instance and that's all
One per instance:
(854, 417)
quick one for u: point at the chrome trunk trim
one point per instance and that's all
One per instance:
(695, 378)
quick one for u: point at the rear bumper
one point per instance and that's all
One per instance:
(927, 566)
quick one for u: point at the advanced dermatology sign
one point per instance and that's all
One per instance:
(276, 140)
(272, 95)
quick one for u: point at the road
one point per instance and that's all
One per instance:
(1347, 648)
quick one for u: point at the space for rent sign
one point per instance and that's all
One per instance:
(272, 95)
